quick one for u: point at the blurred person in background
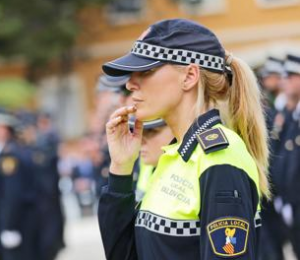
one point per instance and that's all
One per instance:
(107, 98)
(271, 82)
(83, 175)
(112, 93)
(273, 239)
(51, 219)
(27, 132)
(17, 196)
(279, 217)
(271, 77)
(281, 128)
(156, 134)
(288, 201)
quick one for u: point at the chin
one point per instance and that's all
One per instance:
(143, 116)
(149, 162)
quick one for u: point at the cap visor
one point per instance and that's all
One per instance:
(147, 124)
(129, 63)
(112, 83)
(154, 123)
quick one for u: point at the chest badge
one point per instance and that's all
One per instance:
(228, 236)
(8, 165)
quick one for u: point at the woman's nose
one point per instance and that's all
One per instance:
(133, 83)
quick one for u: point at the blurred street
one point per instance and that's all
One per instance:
(83, 240)
(82, 234)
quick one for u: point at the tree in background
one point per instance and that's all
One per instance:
(40, 30)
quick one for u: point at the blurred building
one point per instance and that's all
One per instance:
(251, 29)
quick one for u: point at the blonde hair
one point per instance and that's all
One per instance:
(241, 109)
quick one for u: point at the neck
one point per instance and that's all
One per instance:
(181, 117)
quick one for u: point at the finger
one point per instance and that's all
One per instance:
(123, 111)
(111, 124)
(125, 119)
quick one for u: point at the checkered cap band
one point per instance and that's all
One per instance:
(292, 67)
(166, 226)
(179, 56)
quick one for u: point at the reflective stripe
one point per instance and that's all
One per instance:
(257, 220)
(179, 228)
(166, 226)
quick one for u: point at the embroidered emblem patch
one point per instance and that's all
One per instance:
(212, 140)
(8, 165)
(228, 236)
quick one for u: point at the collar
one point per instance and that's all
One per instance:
(202, 123)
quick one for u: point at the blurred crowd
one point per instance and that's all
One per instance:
(37, 168)
(280, 81)
(31, 218)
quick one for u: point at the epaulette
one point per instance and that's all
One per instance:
(212, 140)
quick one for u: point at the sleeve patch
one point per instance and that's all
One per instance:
(9, 165)
(212, 140)
(228, 236)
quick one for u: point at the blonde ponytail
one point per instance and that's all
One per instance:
(244, 113)
(247, 117)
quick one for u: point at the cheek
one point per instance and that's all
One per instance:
(168, 97)
(157, 143)
(165, 138)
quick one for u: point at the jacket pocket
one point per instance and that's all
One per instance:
(228, 196)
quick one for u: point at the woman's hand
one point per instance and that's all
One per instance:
(123, 145)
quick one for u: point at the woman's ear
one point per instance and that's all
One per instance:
(192, 77)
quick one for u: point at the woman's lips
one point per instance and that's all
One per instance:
(136, 99)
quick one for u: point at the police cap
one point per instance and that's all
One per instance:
(272, 66)
(176, 41)
(292, 64)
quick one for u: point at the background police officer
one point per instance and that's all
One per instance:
(156, 134)
(51, 220)
(16, 195)
(291, 174)
(271, 80)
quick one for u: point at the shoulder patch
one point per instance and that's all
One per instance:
(228, 236)
(212, 140)
(8, 165)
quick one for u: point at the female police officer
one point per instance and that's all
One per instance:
(204, 197)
